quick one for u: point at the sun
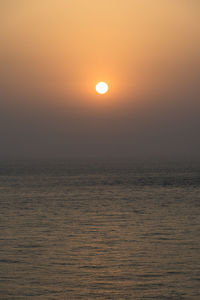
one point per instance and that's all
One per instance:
(101, 88)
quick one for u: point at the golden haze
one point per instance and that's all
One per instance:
(64, 47)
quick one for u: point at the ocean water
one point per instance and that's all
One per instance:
(99, 230)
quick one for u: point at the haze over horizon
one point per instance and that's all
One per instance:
(54, 52)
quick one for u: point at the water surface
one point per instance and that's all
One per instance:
(99, 230)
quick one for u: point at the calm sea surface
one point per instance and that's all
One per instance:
(99, 230)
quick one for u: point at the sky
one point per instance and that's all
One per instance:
(52, 54)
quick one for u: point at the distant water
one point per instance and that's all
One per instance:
(99, 230)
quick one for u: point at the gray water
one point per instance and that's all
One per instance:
(99, 230)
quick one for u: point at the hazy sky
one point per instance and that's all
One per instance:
(52, 54)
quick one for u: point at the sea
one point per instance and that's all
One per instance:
(99, 229)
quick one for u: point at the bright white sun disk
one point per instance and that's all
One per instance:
(101, 87)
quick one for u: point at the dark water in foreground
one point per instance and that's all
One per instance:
(99, 230)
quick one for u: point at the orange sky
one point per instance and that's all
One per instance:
(69, 45)
(54, 51)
